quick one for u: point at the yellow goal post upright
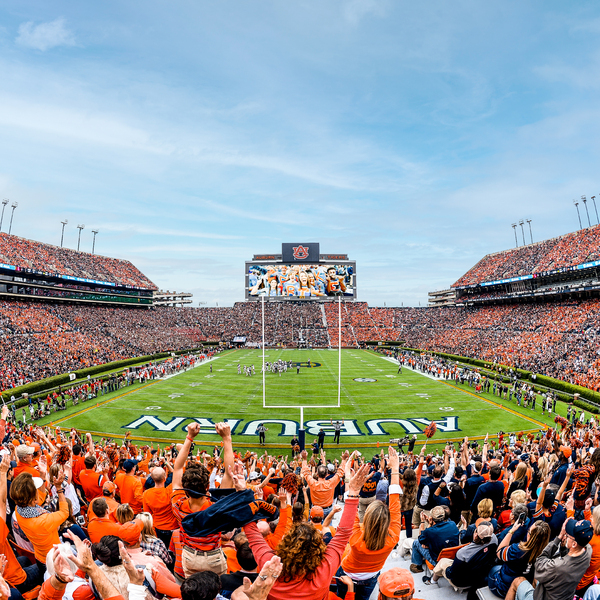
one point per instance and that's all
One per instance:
(302, 431)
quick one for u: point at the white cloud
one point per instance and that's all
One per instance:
(45, 35)
(355, 10)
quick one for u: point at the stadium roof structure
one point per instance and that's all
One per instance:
(571, 252)
(22, 255)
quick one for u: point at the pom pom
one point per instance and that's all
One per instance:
(430, 430)
(290, 483)
(520, 435)
(561, 421)
(64, 455)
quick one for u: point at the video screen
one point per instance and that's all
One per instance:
(301, 281)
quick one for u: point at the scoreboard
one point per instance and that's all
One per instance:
(300, 272)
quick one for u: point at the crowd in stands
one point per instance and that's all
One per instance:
(45, 258)
(549, 255)
(556, 339)
(517, 514)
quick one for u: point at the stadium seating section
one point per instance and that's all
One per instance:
(42, 339)
(550, 255)
(28, 254)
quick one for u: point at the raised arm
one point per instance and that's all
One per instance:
(224, 430)
(193, 429)
(4, 467)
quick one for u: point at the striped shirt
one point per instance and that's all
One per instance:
(181, 509)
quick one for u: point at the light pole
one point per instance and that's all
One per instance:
(584, 200)
(530, 234)
(522, 230)
(578, 215)
(12, 214)
(62, 235)
(4, 203)
(80, 227)
(94, 231)
(514, 226)
(594, 201)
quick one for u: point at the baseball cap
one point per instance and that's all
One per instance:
(24, 450)
(317, 512)
(582, 531)
(485, 530)
(396, 583)
(438, 513)
(331, 468)
(566, 451)
(130, 532)
(129, 464)
(253, 476)
(110, 487)
(39, 482)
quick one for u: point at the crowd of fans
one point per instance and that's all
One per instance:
(518, 514)
(37, 256)
(549, 255)
(557, 339)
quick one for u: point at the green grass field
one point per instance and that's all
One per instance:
(160, 410)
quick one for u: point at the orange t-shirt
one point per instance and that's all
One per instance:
(157, 501)
(112, 509)
(78, 466)
(25, 468)
(99, 527)
(92, 483)
(13, 573)
(131, 490)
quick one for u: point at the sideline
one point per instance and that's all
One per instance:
(99, 404)
(455, 387)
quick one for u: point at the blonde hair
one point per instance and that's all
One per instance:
(596, 520)
(520, 472)
(518, 497)
(485, 508)
(543, 467)
(148, 529)
(124, 513)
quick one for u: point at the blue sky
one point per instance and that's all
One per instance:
(195, 134)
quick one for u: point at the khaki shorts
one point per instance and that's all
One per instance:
(196, 561)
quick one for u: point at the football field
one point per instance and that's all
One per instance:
(376, 403)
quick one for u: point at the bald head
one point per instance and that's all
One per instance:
(158, 475)
(264, 528)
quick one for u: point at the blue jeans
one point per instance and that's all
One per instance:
(362, 589)
(408, 515)
(419, 555)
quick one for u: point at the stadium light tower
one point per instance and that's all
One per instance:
(530, 234)
(594, 201)
(514, 226)
(584, 200)
(578, 215)
(521, 222)
(4, 203)
(62, 235)
(12, 214)
(80, 227)
(94, 231)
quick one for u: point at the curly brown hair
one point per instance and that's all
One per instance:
(301, 551)
(196, 478)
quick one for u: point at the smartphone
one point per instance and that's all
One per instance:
(522, 518)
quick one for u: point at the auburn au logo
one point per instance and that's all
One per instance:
(300, 252)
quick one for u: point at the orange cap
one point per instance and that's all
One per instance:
(566, 451)
(130, 532)
(396, 583)
(317, 512)
(110, 487)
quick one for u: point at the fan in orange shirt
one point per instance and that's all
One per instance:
(157, 501)
(25, 457)
(130, 487)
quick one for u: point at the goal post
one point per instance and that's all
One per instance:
(301, 407)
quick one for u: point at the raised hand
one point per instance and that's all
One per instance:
(193, 430)
(223, 429)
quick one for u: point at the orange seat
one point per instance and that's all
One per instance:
(446, 553)
(23, 552)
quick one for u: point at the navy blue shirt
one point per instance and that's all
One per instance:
(439, 536)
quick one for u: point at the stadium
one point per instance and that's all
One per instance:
(505, 357)
(331, 331)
